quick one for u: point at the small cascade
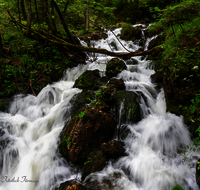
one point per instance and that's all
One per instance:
(29, 133)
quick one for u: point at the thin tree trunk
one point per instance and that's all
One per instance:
(66, 6)
(63, 22)
(134, 16)
(1, 46)
(53, 18)
(49, 17)
(86, 18)
(28, 28)
(36, 10)
(18, 10)
(23, 10)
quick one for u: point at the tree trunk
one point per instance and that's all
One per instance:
(49, 18)
(18, 10)
(23, 10)
(53, 18)
(134, 13)
(66, 7)
(1, 46)
(63, 22)
(86, 18)
(38, 21)
(28, 28)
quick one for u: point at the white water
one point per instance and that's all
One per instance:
(33, 125)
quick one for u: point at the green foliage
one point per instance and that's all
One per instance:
(82, 114)
(68, 141)
(177, 187)
(89, 160)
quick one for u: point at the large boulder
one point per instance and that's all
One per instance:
(113, 149)
(80, 101)
(96, 161)
(130, 33)
(117, 83)
(106, 94)
(130, 108)
(114, 67)
(85, 132)
(89, 80)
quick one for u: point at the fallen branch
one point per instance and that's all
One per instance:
(76, 48)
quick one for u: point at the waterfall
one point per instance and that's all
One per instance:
(29, 134)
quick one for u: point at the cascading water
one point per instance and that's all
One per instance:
(29, 134)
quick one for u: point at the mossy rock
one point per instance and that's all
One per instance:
(130, 33)
(152, 31)
(96, 161)
(131, 108)
(89, 80)
(79, 101)
(84, 133)
(114, 67)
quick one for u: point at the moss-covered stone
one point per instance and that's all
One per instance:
(114, 67)
(89, 80)
(85, 132)
(96, 161)
(131, 110)
(129, 32)
(79, 101)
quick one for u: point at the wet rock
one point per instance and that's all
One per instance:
(113, 44)
(131, 109)
(104, 80)
(149, 32)
(108, 182)
(79, 101)
(142, 42)
(85, 132)
(132, 61)
(157, 78)
(98, 36)
(106, 94)
(113, 149)
(117, 83)
(65, 185)
(4, 104)
(89, 80)
(156, 41)
(96, 161)
(130, 33)
(76, 186)
(198, 173)
(114, 67)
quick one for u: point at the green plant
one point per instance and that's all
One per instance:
(68, 141)
(177, 187)
(89, 160)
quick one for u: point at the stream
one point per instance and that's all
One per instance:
(29, 133)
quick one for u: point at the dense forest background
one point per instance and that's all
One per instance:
(36, 38)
